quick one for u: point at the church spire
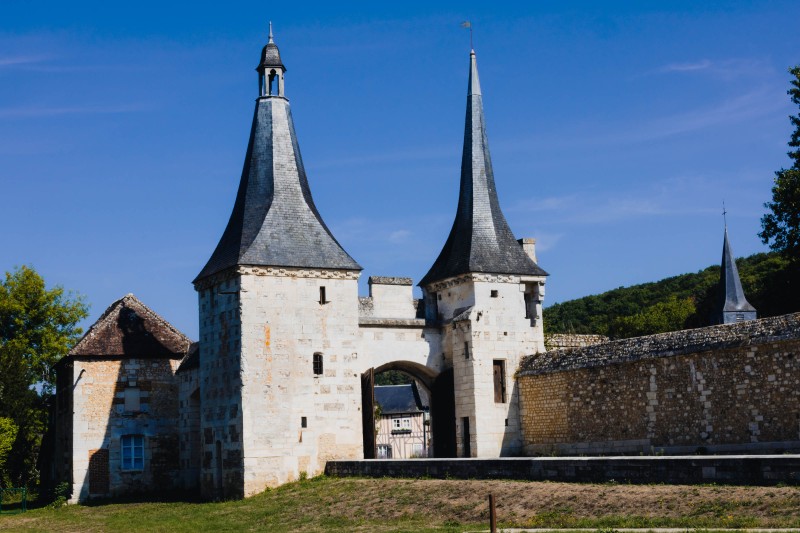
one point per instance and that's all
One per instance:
(274, 220)
(732, 305)
(480, 239)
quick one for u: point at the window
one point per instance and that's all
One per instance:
(499, 374)
(466, 438)
(303, 422)
(494, 294)
(317, 364)
(133, 452)
(322, 297)
(401, 425)
(384, 451)
(132, 400)
(466, 350)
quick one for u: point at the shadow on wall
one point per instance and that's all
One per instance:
(139, 453)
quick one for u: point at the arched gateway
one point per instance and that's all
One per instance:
(287, 347)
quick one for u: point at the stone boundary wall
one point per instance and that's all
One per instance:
(723, 389)
(741, 470)
(566, 341)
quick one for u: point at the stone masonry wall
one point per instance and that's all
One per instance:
(738, 390)
(101, 420)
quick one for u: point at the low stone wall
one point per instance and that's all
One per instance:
(744, 470)
(728, 389)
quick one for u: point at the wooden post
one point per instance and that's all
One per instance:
(492, 515)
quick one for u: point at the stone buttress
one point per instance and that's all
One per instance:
(485, 289)
(277, 295)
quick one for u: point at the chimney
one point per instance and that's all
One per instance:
(529, 247)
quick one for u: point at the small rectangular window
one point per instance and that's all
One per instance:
(499, 374)
(466, 350)
(317, 364)
(303, 422)
(322, 297)
(133, 452)
(494, 294)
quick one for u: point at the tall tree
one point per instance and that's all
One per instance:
(37, 328)
(782, 225)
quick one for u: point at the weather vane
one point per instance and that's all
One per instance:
(724, 214)
(468, 24)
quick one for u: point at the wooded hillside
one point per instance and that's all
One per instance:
(679, 302)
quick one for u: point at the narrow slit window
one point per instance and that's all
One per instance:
(322, 297)
(466, 350)
(317, 364)
(303, 422)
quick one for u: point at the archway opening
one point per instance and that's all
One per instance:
(413, 412)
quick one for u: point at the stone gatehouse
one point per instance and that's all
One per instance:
(281, 379)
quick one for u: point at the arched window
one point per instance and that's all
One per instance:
(272, 75)
(317, 364)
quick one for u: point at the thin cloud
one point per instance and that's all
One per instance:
(685, 67)
(39, 112)
(17, 61)
(725, 69)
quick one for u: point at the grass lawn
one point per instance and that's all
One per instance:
(359, 504)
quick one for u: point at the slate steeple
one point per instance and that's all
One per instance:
(732, 306)
(480, 239)
(274, 220)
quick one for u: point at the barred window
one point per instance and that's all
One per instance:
(317, 364)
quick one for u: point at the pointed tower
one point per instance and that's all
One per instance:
(480, 239)
(732, 306)
(486, 290)
(278, 294)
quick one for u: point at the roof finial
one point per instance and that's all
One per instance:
(270, 32)
(468, 24)
(725, 215)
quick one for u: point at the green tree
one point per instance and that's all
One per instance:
(8, 435)
(670, 315)
(37, 328)
(782, 225)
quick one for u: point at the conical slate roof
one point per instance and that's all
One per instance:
(480, 239)
(274, 220)
(731, 294)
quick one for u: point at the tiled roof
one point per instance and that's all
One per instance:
(398, 399)
(128, 328)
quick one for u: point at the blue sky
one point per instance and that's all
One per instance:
(616, 131)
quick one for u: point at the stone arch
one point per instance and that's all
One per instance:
(440, 390)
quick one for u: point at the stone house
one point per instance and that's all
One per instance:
(117, 406)
(403, 428)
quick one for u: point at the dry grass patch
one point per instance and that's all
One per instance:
(357, 504)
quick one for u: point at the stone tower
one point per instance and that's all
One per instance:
(485, 289)
(732, 306)
(278, 320)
